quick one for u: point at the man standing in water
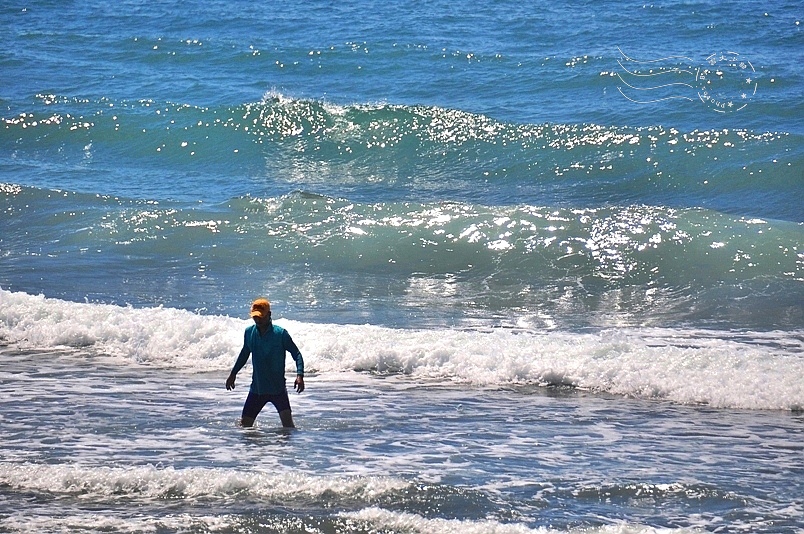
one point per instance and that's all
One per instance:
(267, 344)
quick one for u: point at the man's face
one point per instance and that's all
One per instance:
(263, 321)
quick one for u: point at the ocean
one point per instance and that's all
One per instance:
(544, 262)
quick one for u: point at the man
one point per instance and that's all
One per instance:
(267, 344)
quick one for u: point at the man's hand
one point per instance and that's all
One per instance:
(299, 384)
(230, 382)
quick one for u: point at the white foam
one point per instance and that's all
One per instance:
(385, 520)
(161, 336)
(749, 370)
(152, 483)
(109, 521)
(377, 517)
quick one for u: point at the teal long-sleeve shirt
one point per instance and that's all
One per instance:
(267, 353)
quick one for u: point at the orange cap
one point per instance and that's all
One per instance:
(260, 308)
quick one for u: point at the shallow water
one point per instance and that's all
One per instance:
(136, 447)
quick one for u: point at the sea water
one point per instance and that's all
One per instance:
(544, 263)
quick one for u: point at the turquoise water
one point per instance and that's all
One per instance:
(483, 225)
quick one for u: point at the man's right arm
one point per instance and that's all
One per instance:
(242, 358)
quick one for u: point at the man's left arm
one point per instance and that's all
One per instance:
(294, 351)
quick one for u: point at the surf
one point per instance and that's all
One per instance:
(281, 143)
(749, 370)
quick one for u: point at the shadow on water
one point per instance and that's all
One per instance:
(265, 434)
